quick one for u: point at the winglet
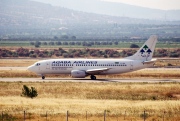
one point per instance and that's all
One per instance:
(145, 53)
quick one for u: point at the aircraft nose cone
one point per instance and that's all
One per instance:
(30, 68)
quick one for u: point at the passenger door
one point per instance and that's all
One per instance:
(47, 65)
(131, 65)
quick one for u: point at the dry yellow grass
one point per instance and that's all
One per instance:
(166, 62)
(77, 108)
(58, 97)
(78, 90)
(17, 62)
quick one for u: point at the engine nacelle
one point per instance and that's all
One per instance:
(78, 74)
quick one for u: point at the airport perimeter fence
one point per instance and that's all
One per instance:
(87, 116)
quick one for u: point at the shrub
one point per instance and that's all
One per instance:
(44, 43)
(33, 55)
(169, 95)
(58, 43)
(175, 55)
(51, 43)
(29, 92)
(65, 55)
(169, 64)
(7, 117)
(78, 43)
(134, 46)
(105, 56)
(23, 52)
(37, 44)
(31, 43)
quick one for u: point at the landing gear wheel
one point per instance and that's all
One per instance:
(43, 77)
(93, 77)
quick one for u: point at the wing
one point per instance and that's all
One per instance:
(96, 71)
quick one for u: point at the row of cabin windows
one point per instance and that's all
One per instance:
(89, 65)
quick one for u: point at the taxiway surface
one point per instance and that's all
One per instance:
(48, 79)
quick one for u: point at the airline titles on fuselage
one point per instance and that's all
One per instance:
(86, 63)
(75, 62)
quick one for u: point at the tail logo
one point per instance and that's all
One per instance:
(145, 51)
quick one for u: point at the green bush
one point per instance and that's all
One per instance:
(37, 44)
(29, 92)
(134, 46)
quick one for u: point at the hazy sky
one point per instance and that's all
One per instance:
(158, 4)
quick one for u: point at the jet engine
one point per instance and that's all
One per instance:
(78, 74)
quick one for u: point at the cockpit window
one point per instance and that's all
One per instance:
(37, 64)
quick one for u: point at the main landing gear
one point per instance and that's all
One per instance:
(43, 77)
(93, 77)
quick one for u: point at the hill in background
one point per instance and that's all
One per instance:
(25, 18)
(116, 9)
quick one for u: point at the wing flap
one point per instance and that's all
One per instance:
(96, 71)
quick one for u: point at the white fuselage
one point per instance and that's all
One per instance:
(65, 66)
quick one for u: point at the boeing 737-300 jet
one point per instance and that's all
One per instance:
(80, 68)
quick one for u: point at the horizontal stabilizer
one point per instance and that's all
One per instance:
(96, 71)
(151, 61)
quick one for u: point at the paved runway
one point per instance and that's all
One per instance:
(85, 80)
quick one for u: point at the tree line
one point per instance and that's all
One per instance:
(79, 43)
(81, 53)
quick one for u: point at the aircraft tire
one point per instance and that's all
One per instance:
(93, 77)
(43, 77)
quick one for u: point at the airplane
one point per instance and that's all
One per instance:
(81, 68)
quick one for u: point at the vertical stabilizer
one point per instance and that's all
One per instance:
(145, 53)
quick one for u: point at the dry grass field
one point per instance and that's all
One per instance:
(122, 101)
(17, 62)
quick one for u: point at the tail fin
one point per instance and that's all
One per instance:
(145, 53)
